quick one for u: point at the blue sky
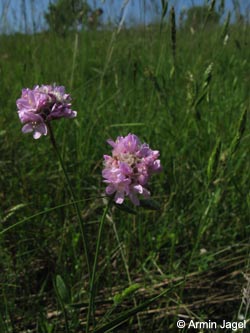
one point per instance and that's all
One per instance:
(139, 11)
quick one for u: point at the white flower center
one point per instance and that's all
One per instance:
(58, 96)
(128, 158)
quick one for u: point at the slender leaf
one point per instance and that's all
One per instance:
(125, 316)
(240, 132)
(213, 161)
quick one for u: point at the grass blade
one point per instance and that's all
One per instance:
(213, 161)
(125, 316)
(240, 132)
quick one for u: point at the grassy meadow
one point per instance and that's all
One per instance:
(191, 105)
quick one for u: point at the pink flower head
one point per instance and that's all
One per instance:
(129, 169)
(39, 105)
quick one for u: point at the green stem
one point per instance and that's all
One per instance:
(81, 223)
(93, 276)
(127, 269)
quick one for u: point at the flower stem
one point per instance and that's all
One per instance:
(91, 309)
(126, 268)
(81, 223)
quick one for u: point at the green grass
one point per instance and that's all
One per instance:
(121, 84)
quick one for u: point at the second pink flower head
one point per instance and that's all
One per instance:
(129, 169)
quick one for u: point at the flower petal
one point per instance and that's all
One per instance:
(27, 128)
